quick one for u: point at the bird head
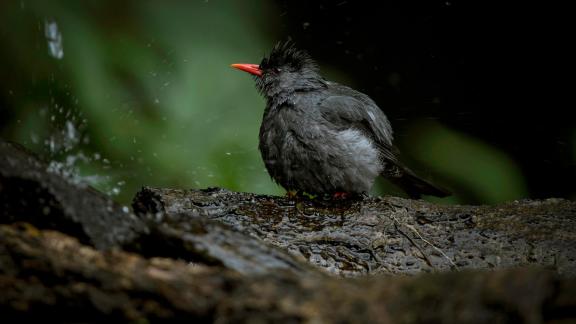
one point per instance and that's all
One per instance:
(285, 69)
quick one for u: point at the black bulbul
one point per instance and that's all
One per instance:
(321, 137)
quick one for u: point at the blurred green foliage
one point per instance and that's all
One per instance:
(478, 172)
(149, 84)
(153, 82)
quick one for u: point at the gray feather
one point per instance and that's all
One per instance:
(321, 137)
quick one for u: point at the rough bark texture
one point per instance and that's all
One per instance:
(70, 254)
(30, 192)
(46, 274)
(388, 234)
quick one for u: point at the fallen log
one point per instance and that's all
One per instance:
(70, 254)
(48, 275)
(387, 234)
(31, 192)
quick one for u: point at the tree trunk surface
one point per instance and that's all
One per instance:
(385, 234)
(70, 254)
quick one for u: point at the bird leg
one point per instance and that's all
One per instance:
(291, 194)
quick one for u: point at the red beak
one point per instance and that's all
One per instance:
(250, 68)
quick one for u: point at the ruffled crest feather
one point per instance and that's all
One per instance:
(286, 54)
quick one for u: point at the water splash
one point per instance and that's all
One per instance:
(54, 37)
(63, 146)
(70, 170)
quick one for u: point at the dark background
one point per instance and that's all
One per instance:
(474, 66)
(470, 88)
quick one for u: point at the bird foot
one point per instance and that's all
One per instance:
(340, 195)
(291, 194)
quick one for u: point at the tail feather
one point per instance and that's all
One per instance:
(415, 186)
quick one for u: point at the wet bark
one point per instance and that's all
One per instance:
(70, 254)
(386, 234)
(33, 191)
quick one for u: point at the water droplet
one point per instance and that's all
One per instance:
(71, 131)
(34, 138)
(54, 37)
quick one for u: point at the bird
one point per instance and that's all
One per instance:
(322, 138)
